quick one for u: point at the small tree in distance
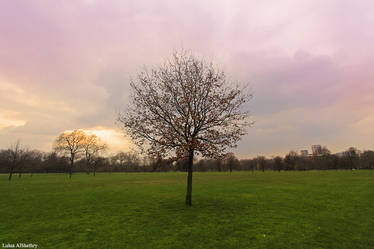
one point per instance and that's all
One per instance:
(92, 146)
(231, 161)
(16, 156)
(278, 163)
(290, 160)
(183, 108)
(72, 144)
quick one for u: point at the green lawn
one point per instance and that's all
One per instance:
(315, 209)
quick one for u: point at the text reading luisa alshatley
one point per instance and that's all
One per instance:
(19, 245)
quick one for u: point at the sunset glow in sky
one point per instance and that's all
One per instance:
(66, 65)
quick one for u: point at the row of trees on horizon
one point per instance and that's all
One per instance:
(18, 159)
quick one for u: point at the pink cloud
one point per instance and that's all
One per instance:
(299, 57)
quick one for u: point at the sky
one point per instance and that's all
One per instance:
(67, 65)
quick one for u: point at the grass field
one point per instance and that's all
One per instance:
(315, 209)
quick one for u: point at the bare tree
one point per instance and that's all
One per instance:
(231, 161)
(278, 163)
(92, 146)
(291, 159)
(16, 155)
(24, 158)
(33, 161)
(325, 151)
(72, 144)
(351, 154)
(261, 162)
(122, 158)
(183, 108)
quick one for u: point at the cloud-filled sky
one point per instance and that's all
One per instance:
(67, 65)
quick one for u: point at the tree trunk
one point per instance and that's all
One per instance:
(94, 171)
(10, 174)
(88, 167)
(70, 170)
(71, 165)
(189, 179)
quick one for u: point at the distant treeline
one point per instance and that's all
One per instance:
(33, 161)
